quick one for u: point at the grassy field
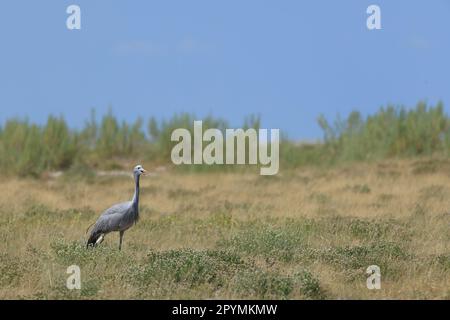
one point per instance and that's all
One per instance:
(303, 234)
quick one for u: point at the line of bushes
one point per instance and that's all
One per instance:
(393, 131)
(28, 148)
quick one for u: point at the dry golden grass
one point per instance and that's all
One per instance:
(302, 234)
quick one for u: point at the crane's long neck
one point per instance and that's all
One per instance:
(136, 193)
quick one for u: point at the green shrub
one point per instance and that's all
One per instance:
(11, 270)
(271, 242)
(269, 285)
(186, 267)
(353, 260)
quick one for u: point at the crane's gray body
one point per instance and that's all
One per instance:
(119, 217)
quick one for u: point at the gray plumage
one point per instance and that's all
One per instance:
(119, 217)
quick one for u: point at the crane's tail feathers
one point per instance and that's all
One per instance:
(89, 227)
(95, 239)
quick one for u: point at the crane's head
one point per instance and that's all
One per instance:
(139, 170)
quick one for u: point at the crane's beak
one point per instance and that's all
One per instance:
(144, 172)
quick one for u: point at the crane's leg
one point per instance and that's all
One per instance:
(121, 238)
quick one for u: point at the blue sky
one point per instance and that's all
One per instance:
(288, 61)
